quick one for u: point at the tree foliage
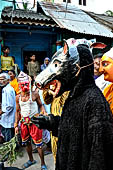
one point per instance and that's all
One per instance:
(109, 13)
(24, 4)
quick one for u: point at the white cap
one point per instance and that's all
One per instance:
(23, 77)
(109, 53)
(5, 75)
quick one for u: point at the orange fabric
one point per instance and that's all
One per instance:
(108, 93)
(15, 85)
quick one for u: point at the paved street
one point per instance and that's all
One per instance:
(20, 161)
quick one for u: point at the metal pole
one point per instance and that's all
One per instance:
(66, 6)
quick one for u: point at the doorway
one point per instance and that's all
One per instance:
(40, 55)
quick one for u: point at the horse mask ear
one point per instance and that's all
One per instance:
(65, 48)
(70, 49)
(98, 45)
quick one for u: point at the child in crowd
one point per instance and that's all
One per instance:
(33, 67)
(13, 81)
(7, 62)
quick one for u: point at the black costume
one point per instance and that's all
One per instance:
(85, 134)
(85, 129)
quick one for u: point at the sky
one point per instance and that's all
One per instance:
(101, 7)
(104, 5)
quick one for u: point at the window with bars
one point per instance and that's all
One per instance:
(69, 1)
(82, 2)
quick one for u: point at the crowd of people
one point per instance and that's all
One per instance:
(20, 100)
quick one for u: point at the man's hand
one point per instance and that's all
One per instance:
(44, 113)
(16, 130)
(1, 112)
(42, 122)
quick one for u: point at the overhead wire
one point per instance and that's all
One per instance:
(49, 5)
(46, 5)
(64, 18)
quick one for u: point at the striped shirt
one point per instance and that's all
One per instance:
(6, 63)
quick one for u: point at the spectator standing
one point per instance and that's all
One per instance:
(13, 81)
(7, 62)
(33, 67)
(97, 59)
(46, 62)
(98, 76)
(26, 106)
(8, 107)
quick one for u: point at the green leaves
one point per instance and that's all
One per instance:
(109, 13)
(24, 5)
(9, 152)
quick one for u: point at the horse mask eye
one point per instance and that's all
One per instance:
(55, 65)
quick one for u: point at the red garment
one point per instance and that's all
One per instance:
(31, 130)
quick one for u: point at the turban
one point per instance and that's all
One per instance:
(23, 77)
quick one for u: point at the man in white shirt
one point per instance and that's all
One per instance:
(7, 112)
(101, 83)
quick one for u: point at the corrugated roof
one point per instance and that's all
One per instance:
(103, 19)
(74, 19)
(26, 17)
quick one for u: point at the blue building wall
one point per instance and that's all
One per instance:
(20, 42)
